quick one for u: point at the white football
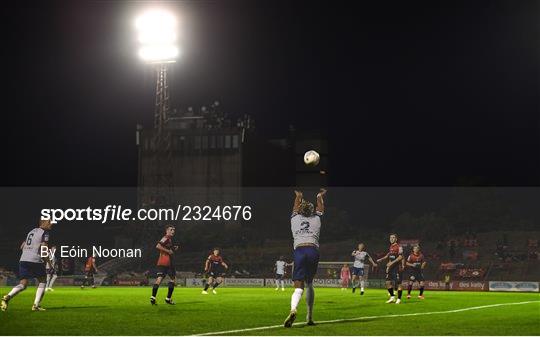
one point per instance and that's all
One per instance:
(311, 158)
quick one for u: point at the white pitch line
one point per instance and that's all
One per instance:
(365, 318)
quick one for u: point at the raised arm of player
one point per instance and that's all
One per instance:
(353, 253)
(320, 201)
(164, 249)
(297, 201)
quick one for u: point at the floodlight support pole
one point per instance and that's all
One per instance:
(162, 158)
(161, 110)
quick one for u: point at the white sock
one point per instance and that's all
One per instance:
(54, 277)
(48, 280)
(277, 284)
(282, 284)
(295, 298)
(39, 293)
(310, 299)
(362, 285)
(17, 289)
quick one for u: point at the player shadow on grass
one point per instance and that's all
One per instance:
(347, 320)
(352, 320)
(389, 306)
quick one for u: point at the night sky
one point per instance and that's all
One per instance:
(407, 93)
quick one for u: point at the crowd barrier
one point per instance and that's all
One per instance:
(508, 286)
(514, 286)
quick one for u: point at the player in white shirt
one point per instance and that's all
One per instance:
(279, 268)
(360, 259)
(306, 228)
(31, 265)
(51, 268)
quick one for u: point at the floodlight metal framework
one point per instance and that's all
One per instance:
(157, 32)
(162, 103)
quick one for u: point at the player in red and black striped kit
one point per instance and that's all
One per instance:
(165, 266)
(416, 264)
(214, 268)
(90, 269)
(393, 273)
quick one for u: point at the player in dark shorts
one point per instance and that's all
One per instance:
(279, 269)
(305, 229)
(401, 272)
(165, 266)
(393, 274)
(90, 269)
(32, 265)
(361, 257)
(214, 269)
(416, 264)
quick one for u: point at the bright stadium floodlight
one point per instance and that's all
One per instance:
(157, 30)
(158, 53)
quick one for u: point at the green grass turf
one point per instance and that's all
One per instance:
(127, 311)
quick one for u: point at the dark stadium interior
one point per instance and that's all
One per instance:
(493, 231)
(426, 116)
(432, 94)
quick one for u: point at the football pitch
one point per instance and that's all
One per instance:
(259, 311)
